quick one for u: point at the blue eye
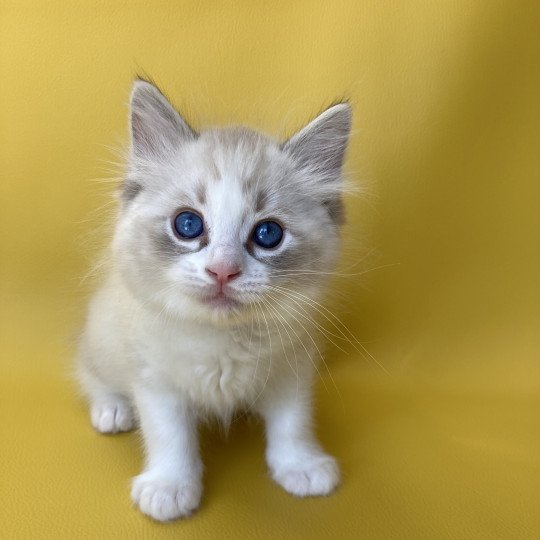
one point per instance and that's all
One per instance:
(267, 234)
(188, 225)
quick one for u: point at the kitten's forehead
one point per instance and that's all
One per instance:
(238, 154)
(236, 163)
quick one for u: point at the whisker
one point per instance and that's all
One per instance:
(295, 273)
(273, 310)
(305, 348)
(320, 356)
(296, 372)
(304, 314)
(252, 404)
(321, 309)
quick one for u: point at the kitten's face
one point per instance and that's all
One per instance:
(228, 224)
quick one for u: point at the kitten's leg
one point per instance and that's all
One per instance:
(294, 456)
(110, 411)
(171, 484)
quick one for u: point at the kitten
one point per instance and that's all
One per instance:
(222, 242)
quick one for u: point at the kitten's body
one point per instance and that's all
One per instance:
(219, 370)
(184, 328)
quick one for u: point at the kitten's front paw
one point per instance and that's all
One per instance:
(112, 416)
(165, 499)
(316, 475)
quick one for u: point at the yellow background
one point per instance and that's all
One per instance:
(442, 443)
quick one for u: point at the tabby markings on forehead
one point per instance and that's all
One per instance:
(201, 193)
(214, 172)
(259, 198)
(130, 190)
(336, 210)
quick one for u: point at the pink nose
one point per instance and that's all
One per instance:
(223, 273)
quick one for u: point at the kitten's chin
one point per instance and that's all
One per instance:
(222, 303)
(220, 308)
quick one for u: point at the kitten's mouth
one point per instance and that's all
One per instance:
(221, 301)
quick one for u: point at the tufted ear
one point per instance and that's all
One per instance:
(320, 146)
(156, 127)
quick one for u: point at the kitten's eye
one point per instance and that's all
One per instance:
(188, 225)
(267, 234)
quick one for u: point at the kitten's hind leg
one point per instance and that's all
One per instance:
(110, 411)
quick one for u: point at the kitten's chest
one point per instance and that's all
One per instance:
(219, 370)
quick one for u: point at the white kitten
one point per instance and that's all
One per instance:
(222, 242)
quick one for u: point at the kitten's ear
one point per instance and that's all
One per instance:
(320, 146)
(156, 127)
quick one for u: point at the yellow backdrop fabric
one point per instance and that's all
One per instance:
(441, 276)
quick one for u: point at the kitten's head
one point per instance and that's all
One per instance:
(228, 223)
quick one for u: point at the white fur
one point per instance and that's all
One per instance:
(155, 353)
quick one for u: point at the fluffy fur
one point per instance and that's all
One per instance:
(165, 344)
